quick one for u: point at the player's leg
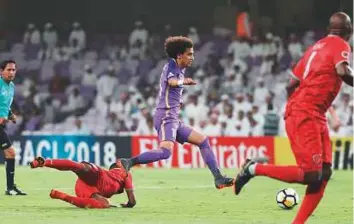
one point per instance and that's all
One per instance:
(87, 193)
(167, 136)
(95, 201)
(188, 134)
(315, 192)
(9, 155)
(305, 138)
(60, 164)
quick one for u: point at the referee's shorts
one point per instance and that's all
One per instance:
(5, 141)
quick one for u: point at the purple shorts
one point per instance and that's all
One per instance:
(170, 128)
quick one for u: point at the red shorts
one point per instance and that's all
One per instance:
(86, 183)
(309, 139)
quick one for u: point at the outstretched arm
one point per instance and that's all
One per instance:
(180, 82)
(131, 199)
(128, 186)
(336, 120)
(345, 72)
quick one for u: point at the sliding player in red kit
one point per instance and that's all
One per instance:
(94, 184)
(317, 80)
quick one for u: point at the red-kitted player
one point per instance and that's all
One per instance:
(317, 79)
(94, 184)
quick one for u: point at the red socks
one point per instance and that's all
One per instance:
(85, 202)
(309, 204)
(293, 174)
(290, 174)
(78, 202)
(63, 164)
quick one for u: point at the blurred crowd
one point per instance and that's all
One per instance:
(107, 85)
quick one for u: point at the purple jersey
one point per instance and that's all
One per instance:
(170, 98)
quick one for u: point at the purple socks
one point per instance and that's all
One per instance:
(209, 158)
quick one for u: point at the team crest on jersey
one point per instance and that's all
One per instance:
(345, 54)
(4, 92)
(317, 159)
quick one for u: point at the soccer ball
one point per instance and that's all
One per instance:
(287, 198)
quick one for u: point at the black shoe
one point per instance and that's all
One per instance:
(243, 176)
(221, 182)
(126, 163)
(14, 191)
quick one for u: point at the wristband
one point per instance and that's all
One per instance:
(180, 82)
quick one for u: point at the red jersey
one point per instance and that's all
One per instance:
(319, 81)
(104, 182)
(114, 181)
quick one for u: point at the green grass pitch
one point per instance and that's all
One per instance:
(171, 196)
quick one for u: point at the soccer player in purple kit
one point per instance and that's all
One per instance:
(169, 128)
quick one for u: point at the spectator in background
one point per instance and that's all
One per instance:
(222, 106)
(89, 78)
(266, 66)
(256, 128)
(295, 47)
(271, 122)
(309, 39)
(75, 102)
(75, 49)
(213, 128)
(239, 126)
(62, 53)
(194, 36)
(78, 34)
(195, 110)
(269, 47)
(240, 104)
(240, 48)
(228, 64)
(46, 53)
(50, 36)
(112, 126)
(257, 49)
(79, 128)
(260, 91)
(139, 33)
(32, 35)
(343, 108)
(58, 84)
(228, 117)
(122, 106)
(234, 81)
(146, 127)
(49, 111)
(106, 85)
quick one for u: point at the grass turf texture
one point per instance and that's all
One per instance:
(171, 196)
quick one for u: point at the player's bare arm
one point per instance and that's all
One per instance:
(293, 84)
(336, 120)
(131, 199)
(345, 72)
(185, 81)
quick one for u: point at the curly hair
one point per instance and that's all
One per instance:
(177, 45)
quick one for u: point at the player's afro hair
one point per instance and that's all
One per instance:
(5, 63)
(177, 45)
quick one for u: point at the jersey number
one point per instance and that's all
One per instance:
(308, 65)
